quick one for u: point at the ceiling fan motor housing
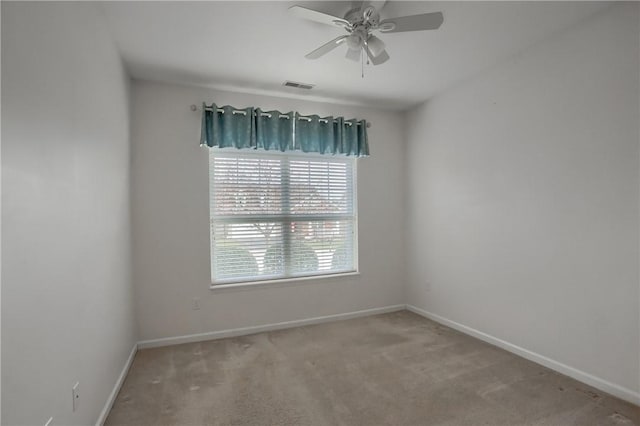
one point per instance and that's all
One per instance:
(368, 18)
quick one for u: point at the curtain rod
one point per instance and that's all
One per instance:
(264, 114)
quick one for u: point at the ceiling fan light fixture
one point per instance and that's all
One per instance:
(353, 54)
(355, 41)
(376, 46)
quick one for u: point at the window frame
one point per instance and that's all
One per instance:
(252, 281)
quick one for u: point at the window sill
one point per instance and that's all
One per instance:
(279, 282)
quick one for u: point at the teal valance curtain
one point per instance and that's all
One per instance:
(252, 128)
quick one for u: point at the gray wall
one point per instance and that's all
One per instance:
(171, 221)
(523, 200)
(67, 308)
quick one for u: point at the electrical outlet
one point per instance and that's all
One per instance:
(195, 304)
(75, 394)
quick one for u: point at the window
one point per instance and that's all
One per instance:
(277, 216)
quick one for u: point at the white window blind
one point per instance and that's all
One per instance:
(280, 216)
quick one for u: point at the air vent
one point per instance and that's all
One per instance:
(298, 85)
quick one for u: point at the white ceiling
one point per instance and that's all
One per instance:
(254, 46)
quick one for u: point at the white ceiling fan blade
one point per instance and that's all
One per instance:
(326, 48)
(425, 21)
(375, 45)
(353, 54)
(377, 60)
(314, 15)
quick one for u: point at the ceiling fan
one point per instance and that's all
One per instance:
(360, 23)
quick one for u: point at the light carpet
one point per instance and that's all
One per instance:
(390, 369)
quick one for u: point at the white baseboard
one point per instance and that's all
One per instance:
(200, 337)
(114, 393)
(596, 382)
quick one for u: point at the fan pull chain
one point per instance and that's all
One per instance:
(362, 61)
